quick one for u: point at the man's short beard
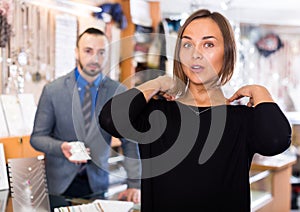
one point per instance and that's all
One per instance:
(89, 73)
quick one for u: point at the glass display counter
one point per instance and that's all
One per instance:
(270, 182)
(261, 188)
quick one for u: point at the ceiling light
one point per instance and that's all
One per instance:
(66, 6)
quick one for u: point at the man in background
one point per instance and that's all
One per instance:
(68, 111)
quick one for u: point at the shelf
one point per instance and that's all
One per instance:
(270, 182)
(258, 175)
(261, 188)
(259, 199)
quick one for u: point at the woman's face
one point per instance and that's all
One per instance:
(202, 51)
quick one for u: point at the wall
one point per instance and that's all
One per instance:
(47, 34)
(252, 20)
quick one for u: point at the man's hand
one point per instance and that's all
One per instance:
(66, 149)
(130, 194)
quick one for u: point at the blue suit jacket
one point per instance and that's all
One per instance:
(59, 118)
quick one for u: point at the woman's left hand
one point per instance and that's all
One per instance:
(256, 93)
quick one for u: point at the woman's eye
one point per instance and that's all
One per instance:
(209, 45)
(187, 45)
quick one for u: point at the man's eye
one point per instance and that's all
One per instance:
(102, 53)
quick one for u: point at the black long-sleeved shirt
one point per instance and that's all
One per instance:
(196, 158)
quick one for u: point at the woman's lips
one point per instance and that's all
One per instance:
(197, 68)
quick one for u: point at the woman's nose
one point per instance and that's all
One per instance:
(197, 54)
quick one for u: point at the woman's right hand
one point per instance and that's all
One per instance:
(160, 85)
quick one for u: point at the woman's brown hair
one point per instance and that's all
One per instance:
(229, 49)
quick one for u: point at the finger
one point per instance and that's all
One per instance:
(78, 161)
(136, 198)
(249, 104)
(129, 196)
(66, 146)
(168, 97)
(67, 154)
(251, 101)
(234, 97)
(121, 196)
(239, 94)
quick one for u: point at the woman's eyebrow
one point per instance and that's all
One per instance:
(203, 38)
(187, 37)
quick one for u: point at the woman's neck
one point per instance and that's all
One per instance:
(203, 97)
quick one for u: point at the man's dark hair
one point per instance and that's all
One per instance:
(92, 31)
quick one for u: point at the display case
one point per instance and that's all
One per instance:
(261, 188)
(270, 182)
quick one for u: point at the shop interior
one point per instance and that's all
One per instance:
(37, 43)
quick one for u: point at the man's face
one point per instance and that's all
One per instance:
(91, 54)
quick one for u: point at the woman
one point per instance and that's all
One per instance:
(196, 147)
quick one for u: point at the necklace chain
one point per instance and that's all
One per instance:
(199, 112)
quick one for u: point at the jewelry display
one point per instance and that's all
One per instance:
(13, 115)
(5, 29)
(30, 47)
(3, 199)
(3, 172)
(78, 151)
(100, 206)
(22, 56)
(3, 130)
(65, 34)
(28, 184)
(18, 113)
(5, 33)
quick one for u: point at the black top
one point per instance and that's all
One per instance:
(196, 158)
